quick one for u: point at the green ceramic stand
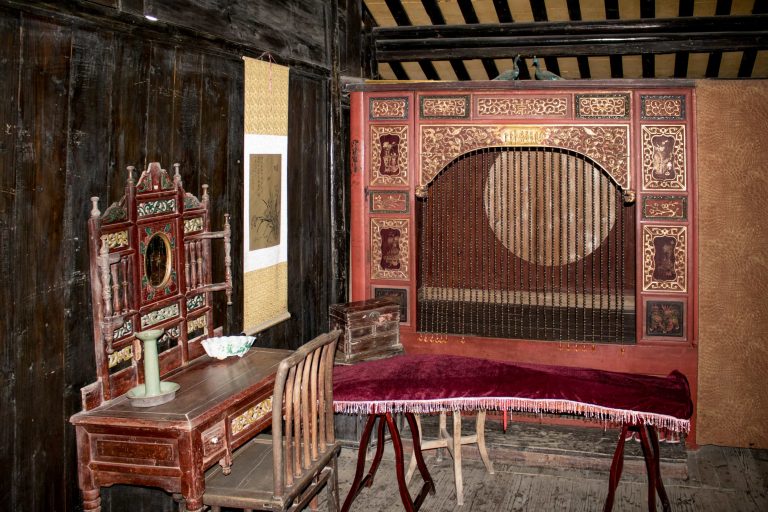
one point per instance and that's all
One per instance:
(153, 391)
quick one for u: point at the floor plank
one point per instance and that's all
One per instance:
(716, 479)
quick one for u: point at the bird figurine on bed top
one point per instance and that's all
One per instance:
(510, 74)
(544, 74)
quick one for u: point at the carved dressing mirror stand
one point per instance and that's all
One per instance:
(151, 269)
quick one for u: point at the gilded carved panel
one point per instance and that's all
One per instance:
(444, 107)
(388, 108)
(664, 162)
(665, 207)
(603, 106)
(662, 107)
(389, 155)
(389, 249)
(250, 416)
(523, 107)
(606, 145)
(665, 262)
(389, 201)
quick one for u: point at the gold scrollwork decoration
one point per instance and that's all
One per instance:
(664, 258)
(606, 145)
(663, 157)
(389, 249)
(552, 107)
(117, 239)
(388, 108)
(389, 155)
(251, 416)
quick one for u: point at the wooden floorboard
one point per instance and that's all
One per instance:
(715, 479)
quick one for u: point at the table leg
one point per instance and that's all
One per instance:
(616, 468)
(652, 466)
(357, 482)
(659, 484)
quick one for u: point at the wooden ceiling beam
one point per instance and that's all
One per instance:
(574, 38)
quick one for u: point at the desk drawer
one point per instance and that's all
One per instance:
(214, 441)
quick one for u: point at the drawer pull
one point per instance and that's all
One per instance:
(214, 440)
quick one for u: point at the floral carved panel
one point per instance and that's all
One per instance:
(389, 249)
(389, 155)
(664, 163)
(664, 258)
(603, 106)
(444, 107)
(665, 207)
(662, 107)
(388, 108)
(606, 145)
(523, 107)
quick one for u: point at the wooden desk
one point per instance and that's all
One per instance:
(220, 406)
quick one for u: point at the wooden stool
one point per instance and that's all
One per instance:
(453, 444)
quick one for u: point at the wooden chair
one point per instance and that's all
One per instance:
(285, 471)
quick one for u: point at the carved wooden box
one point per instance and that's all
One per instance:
(371, 329)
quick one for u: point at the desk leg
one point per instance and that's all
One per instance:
(90, 492)
(616, 468)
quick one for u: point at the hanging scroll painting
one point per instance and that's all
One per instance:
(265, 251)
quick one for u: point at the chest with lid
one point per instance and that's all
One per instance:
(370, 329)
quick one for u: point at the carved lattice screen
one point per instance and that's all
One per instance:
(526, 242)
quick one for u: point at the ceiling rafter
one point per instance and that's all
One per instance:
(569, 39)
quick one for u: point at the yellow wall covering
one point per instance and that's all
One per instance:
(266, 98)
(266, 294)
(266, 113)
(732, 142)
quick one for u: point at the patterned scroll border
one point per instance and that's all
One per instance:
(607, 145)
(386, 201)
(402, 158)
(665, 207)
(159, 315)
(156, 207)
(541, 107)
(662, 108)
(193, 225)
(444, 107)
(195, 302)
(377, 272)
(679, 233)
(250, 416)
(678, 160)
(603, 106)
(388, 108)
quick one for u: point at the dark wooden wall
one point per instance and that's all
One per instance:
(87, 88)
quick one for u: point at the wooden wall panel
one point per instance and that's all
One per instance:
(733, 272)
(295, 30)
(89, 89)
(83, 105)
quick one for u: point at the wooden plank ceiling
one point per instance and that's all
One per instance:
(576, 39)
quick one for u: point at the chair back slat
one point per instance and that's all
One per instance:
(305, 417)
(297, 418)
(321, 404)
(330, 352)
(287, 406)
(313, 405)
